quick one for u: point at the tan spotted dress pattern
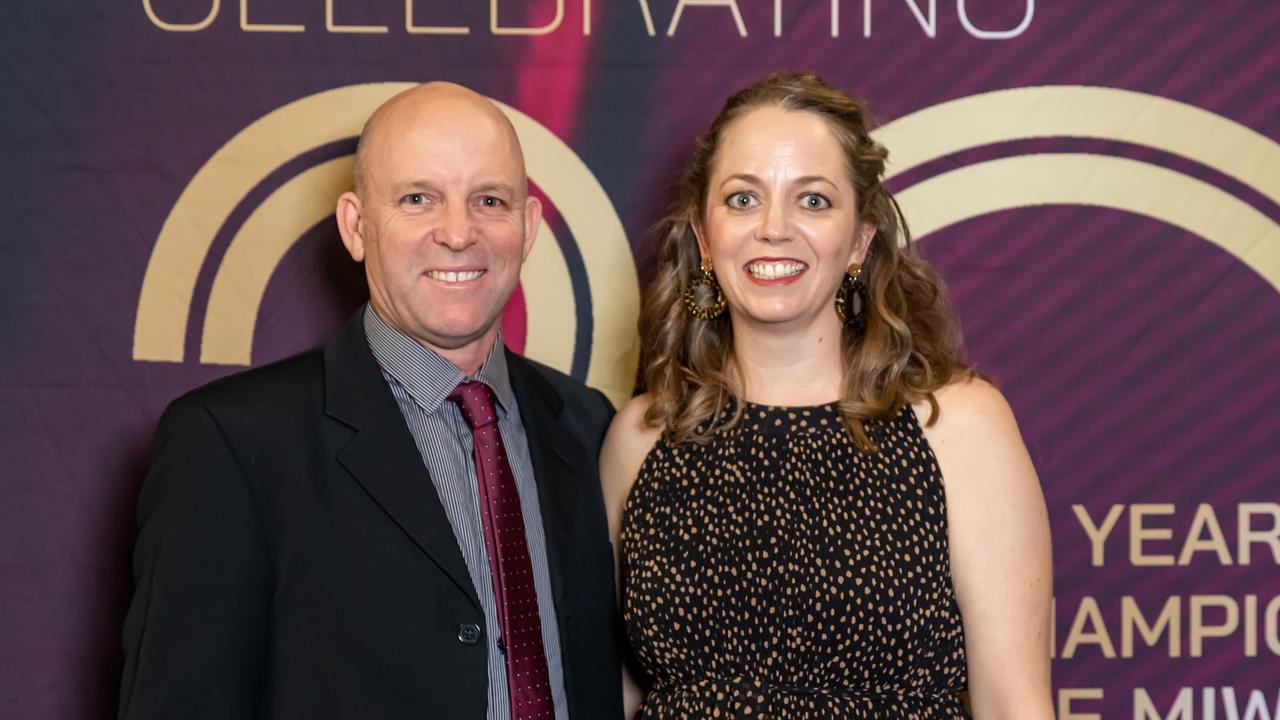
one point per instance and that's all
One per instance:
(777, 572)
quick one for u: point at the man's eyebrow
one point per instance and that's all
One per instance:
(494, 187)
(409, 186)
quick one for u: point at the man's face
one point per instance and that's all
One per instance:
(445, 221)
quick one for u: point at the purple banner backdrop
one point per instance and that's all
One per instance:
(1098, 182)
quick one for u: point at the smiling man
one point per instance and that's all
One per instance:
(406, 522)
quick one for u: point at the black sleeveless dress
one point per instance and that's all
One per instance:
(777, 572)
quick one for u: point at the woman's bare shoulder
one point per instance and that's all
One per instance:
(975, 435)
(970, 410)
(627, 444)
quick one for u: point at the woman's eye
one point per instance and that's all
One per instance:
(741, 200)
(814, 201)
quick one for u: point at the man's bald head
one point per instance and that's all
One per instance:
(441, 218)
(421, 104)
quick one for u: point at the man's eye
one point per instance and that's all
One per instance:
(814, 201)
(415, 199)
(741, 200)
(490, 201)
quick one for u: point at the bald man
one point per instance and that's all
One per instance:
(406, 523)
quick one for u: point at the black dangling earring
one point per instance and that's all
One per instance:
(851, 298)
(707, 278)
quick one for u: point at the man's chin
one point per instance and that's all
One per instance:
(456, 336)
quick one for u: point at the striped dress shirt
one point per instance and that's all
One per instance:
(421, 382)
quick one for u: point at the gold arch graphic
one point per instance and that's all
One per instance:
(1091, 179)
(1085, 112)
(185, 239)
(1100, 181)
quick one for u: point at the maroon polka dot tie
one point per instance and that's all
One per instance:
(509, 564)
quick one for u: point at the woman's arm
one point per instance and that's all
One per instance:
(1001, 560)
(625, 447)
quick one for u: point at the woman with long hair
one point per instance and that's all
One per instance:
(818, 508)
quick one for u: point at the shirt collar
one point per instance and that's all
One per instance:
(427, 377)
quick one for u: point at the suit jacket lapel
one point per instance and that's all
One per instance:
(551, 451)
(382, 455)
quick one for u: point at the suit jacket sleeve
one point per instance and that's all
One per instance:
(195, 637)
(608, 416)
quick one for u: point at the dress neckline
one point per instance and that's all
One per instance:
(829, 409)
(747, 405)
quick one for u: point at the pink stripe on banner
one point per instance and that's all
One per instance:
(550, 76)
(515, 322)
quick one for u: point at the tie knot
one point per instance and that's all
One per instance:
(475, 399)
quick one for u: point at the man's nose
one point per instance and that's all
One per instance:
(455, 227)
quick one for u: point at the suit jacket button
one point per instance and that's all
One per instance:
(468, 633)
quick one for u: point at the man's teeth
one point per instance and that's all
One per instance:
(449, 276)
(774, 270)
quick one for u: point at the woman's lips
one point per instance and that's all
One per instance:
(773, 271)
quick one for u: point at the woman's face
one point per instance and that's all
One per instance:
(781, 224)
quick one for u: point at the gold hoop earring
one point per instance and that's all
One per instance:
(851, 298)
(705, 278)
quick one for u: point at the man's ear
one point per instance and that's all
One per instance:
(349, 214)
(532, 221)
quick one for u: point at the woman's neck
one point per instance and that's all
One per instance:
(776, 365)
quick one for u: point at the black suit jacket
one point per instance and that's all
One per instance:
(294, 560)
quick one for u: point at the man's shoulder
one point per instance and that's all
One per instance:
(573, 392)
(268, 389)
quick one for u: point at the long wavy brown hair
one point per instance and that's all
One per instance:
(910, 347)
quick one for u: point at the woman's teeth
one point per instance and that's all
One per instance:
(775, 270)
